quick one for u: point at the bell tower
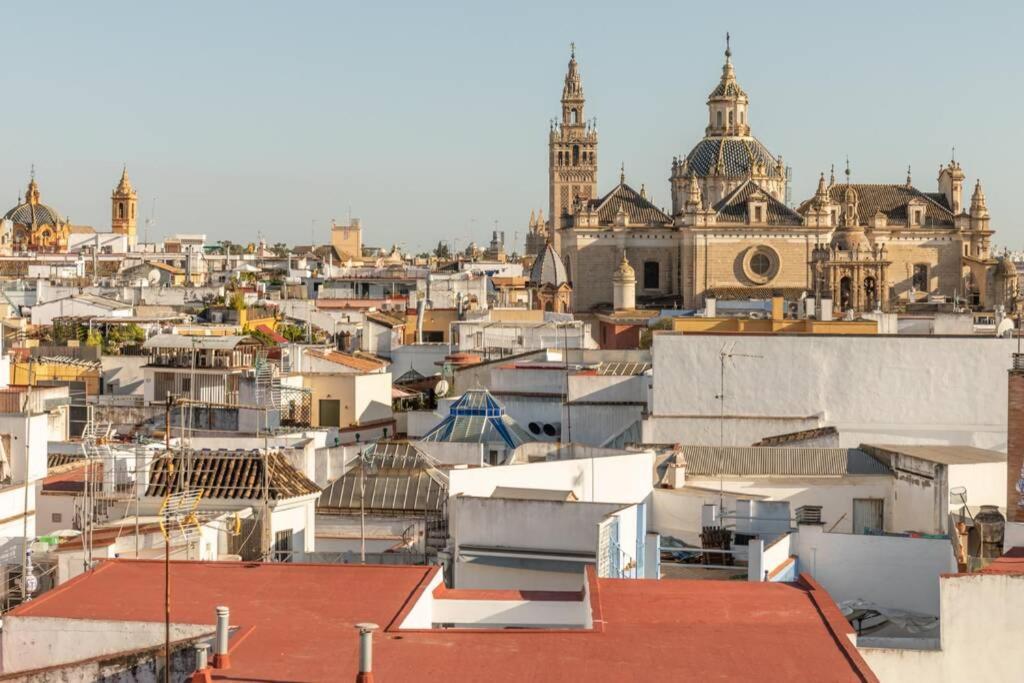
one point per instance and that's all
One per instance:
(572, 151)
(122, 209)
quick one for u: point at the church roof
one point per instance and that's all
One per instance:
(548, 268)
(892, 200)
(637, 207)
(733, 207)
(34, 214)
(737, 154)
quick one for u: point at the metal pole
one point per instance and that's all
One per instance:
(167, 610)
(362, 508)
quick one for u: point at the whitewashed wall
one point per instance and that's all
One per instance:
(874, 389)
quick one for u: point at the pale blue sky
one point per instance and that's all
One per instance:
(430, 121)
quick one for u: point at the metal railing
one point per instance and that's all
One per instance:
(1018, 362)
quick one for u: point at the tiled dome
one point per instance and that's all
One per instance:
(34, 214)
(739, 155)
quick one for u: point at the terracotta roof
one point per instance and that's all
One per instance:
(70, 477)
(347, 360)
(271, 334)
(733, 207)
(231, 475)
(1011, 562)
(641, 212)
(385, 319)
(291, 615)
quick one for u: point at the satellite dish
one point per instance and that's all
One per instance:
(153, 277)
(441, 388)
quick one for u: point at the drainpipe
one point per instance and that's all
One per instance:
(365, 674)
(221, 659)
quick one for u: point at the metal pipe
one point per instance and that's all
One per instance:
(365, 652)
(202, 651)
(221, 659)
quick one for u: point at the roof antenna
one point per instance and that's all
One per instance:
(847, 171)
(728, 50)
(622, 173)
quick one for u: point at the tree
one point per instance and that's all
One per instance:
(280, 249)
(237, 301)
(93, 338)
(442, 250)
(292, 333)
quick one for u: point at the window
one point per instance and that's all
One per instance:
(730, 117)
(492, 457)
(330, 412)
(867, 514)
(757, 215)
(575, 155)
(433, 336)
(652, 275)
(920, 280)
(56, 517)
(573, 116)
(760, 264)
(741, 117)
(718, 118)
(283, 546)
(120, 210)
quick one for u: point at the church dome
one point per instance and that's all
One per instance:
(1006, 267)
(548, 269)
(731, 157)
(34, 214)
(32, 211)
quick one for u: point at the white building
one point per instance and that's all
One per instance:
(872, 389)
(79, 306)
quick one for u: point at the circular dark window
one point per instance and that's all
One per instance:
(760, 264)
(534, 428)
(549, 430)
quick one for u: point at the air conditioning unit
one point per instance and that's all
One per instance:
(809, 514)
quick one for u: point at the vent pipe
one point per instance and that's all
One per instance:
(202, 672)
(221, 659)
(365, 652)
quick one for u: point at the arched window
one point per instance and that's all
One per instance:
(741, 117)
(920, 280)
(572, 116)
(870, 293)
(730, 117)
(718, 118)
(575, 155)
(120, 209)
(559, 158)
(845, 293)
(133, 212)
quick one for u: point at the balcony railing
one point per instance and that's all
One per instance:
(1018, 362)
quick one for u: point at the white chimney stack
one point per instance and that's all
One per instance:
(221, 659)
(365, 652)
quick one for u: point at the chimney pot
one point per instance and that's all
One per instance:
(221, 659)
(366, 630)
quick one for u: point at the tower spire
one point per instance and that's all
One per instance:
(622, 173)
(728, 50)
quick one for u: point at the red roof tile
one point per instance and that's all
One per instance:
(1012, 562)
(298, 621)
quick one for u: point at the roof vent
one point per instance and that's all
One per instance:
(365, 652)
(808, 514)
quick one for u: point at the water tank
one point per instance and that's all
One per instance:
(985, 539)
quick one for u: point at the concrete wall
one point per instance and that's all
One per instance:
(36, 642)
(874, 389)
(422, 358)
(979, 640)
(454, 453)
(614, 478)
(123, 375)
(899, 573)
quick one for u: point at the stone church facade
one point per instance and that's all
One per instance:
(730, 234)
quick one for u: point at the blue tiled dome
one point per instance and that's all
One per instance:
(34, 214)
(738, 156)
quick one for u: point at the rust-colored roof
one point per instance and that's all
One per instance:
(1011, 562)
(70, 477)
(296, 622)
(271, 334)
(359, 363)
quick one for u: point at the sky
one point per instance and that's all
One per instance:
(429, 121)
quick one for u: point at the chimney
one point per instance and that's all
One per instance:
(1015, 442)
(221, 659)
(675, 472)
(365, 652)
(202, 672)
(710, 307)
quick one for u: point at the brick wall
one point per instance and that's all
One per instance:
(1015, 443)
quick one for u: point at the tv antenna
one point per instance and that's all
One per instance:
(726, 353)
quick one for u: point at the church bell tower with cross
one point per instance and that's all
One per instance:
(572, 152)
